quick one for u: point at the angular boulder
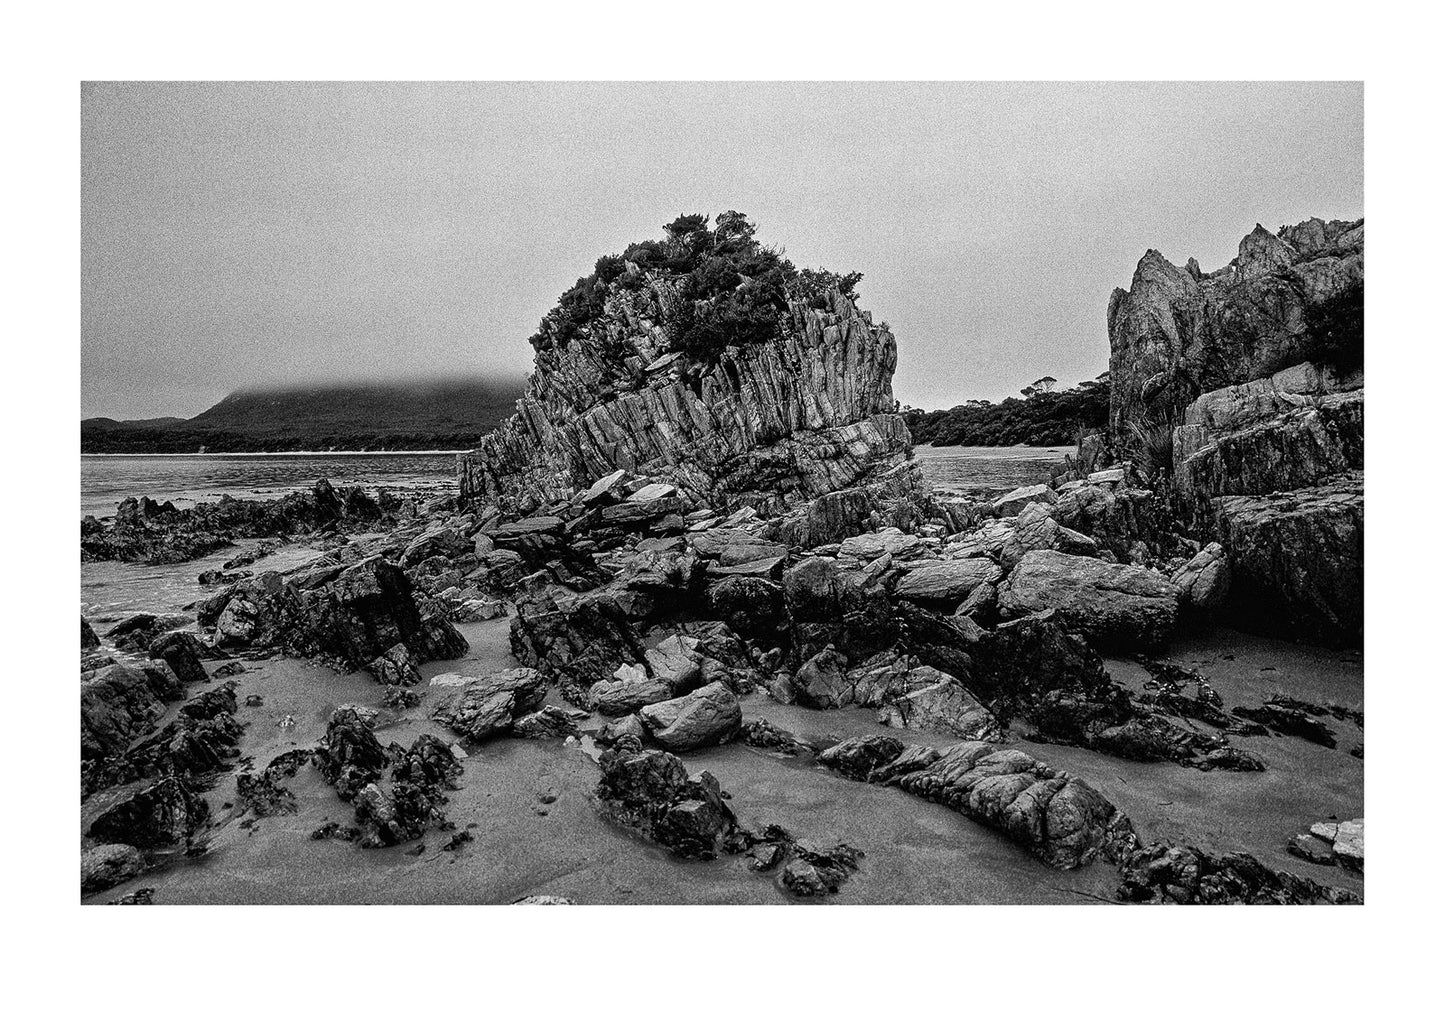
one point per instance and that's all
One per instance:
(629, 689)
(1114, 605)
(710, 715)
(486, 706)
(1203, 582)
(947, 580)
(1059, 818)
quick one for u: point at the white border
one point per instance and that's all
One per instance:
(1012, 961)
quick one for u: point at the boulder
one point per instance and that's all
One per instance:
(548, 722)
(629, 689)
(350, 756)
(395, 666)
(1114, 605)
(440, 540)
(146, 815)
(947, 580)
(182, 651)
(108, 865)
(830, 605)
(606, 489)
(1203, 582)
(88, 638)
(857, 757)
(937, 702)
(891, 541)
(822, 682)
(491, 705)
(575, 643)
(353, 613)
(710, 715)
(1058, 817)
(650, 791)
(121, 702)
(1013, 502)
(752, 606)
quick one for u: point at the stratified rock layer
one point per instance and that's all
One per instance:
(769, 425)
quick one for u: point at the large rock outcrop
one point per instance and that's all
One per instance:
(1179, 332)
(769, 424)
(1258, 371)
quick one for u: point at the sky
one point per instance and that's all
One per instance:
(245, 234)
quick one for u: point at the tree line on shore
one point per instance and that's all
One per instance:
(1043, 418)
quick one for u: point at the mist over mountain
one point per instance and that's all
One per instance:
(419, 415)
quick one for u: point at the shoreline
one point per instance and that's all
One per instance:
(278, 453)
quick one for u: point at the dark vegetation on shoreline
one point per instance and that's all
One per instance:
(372, 416)
(1044, 419)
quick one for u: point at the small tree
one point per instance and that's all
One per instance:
(688, 223)
(1045, 384)
(733, 227)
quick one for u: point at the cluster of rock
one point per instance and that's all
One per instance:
(650, 791)
(355, 613)
(764, 425)
(141, 780)
(669, 536)
(397, 792)
(1268, 436)
(161, 533)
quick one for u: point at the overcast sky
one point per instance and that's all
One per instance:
(253, 233)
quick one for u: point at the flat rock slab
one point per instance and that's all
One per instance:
(653, 491)
(765, 568)
(1013, 502)
(949, 580)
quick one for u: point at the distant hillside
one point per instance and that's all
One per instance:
(370, 416)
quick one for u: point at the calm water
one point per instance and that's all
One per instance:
(988, 471)
(187, 479)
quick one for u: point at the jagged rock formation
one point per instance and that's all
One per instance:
(1177, 333)
(1258, 371)
(768, 423)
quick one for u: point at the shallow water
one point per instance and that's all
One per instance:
(988, 471)
(187, 479)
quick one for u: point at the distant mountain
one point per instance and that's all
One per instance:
(366, 416)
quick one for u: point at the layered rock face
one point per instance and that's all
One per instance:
(768, 425)
(1177, 333)
(1268, 419)
(1274, 470)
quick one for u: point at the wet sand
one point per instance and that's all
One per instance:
(916, 852)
